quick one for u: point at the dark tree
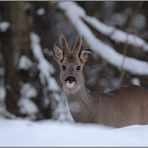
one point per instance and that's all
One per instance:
(14, 42)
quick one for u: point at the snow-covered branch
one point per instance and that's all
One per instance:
(115, 34)
(75, 15)
(59, 104)
(44, 66)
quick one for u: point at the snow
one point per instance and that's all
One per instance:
(40, 11)
(4, 26)
(115, 34)
(44, 66)
(26, 105)
(5, 114)
(2, 93)
(118, 35)
(135, 81)
(107, 52)
(25, 63)
(31, 91)
(51, 133)
(2, 98)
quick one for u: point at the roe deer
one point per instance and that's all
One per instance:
(117, 108)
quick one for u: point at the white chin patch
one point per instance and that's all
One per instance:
(70, 85)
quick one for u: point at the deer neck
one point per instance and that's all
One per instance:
(81, 95)
(80, 104)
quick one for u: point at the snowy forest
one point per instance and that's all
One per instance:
(30, 87)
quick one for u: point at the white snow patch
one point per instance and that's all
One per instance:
(4, 26)
(44, 66)
(49, 133)
(40, 11)
(5, 114)
(25, 103)
(135, 81)
(2, 93)
(28, 91)
(25, 63)
(28, 107)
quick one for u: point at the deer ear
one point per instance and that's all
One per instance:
(84, 54)
(58, 53)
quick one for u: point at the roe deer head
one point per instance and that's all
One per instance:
(71, 64)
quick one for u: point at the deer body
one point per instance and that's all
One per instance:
(117, 108)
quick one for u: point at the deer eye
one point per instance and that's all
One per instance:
(78, 67)
(63, 67)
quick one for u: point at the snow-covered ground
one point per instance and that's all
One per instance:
(51, 133)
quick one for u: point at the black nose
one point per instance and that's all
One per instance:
(70, 79)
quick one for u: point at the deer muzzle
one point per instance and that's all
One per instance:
(70, 79)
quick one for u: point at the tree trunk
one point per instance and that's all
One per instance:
(14, 42)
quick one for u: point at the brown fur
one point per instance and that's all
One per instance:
(117, 108)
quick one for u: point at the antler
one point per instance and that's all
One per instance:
(77, 46)
(64, 44)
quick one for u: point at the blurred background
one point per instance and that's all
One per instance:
(29, 76)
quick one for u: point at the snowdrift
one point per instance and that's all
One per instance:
(52, 133)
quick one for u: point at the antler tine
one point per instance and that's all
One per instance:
(64, 44)
(77, 46)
